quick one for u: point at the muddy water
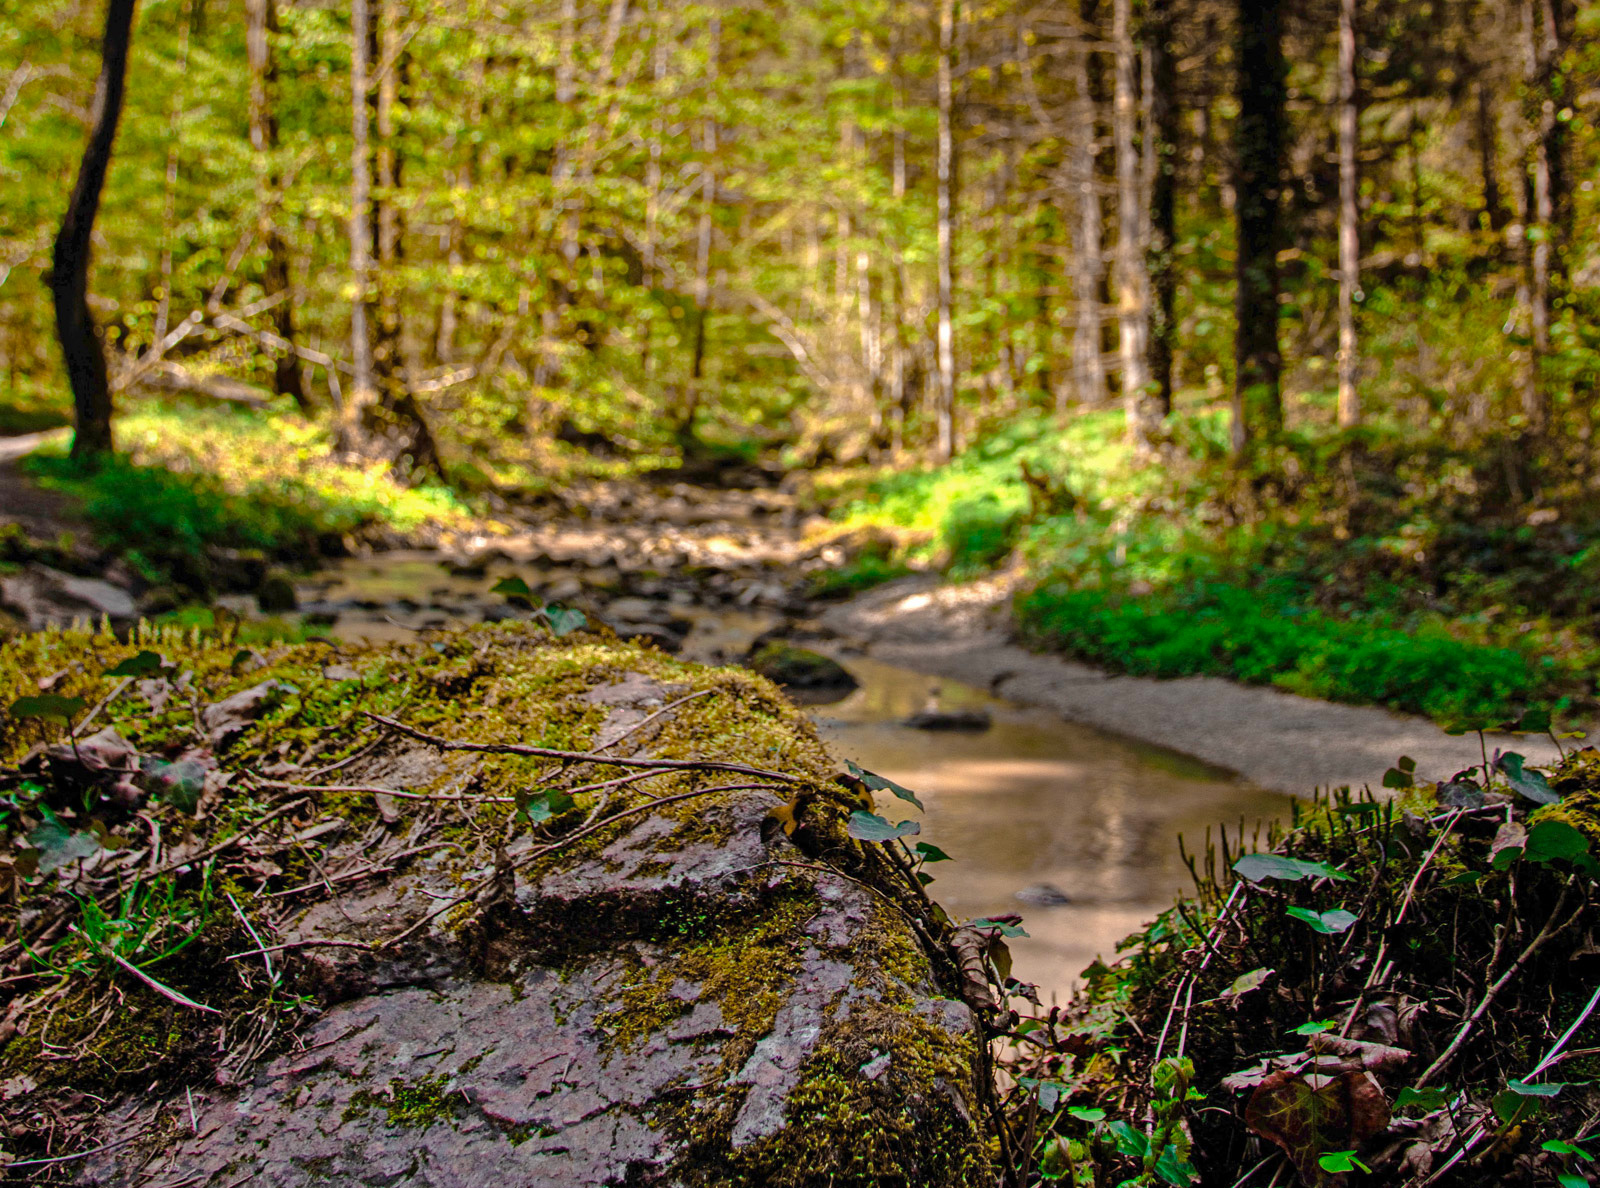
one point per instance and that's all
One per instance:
(1033, 805)
(1042, 807)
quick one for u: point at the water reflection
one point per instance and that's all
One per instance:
(1037, 802)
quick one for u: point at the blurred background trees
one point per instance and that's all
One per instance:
(462, 230)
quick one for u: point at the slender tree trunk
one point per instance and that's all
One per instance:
(1545, 230)
(1163, 132)
(1349, 218)
(363, 391)
(1259, 144)
(261, 28)
(944, 410)
(396, 417)
(1088, 367)
(703, 235)
(899, 390)
(1488, 156)
(1132, 324)
(69, 275)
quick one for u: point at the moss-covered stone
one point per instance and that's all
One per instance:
(626, 985)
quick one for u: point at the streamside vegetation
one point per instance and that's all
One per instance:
(1392, 990)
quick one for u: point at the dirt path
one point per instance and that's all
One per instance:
(42, 513)
(1274, 739)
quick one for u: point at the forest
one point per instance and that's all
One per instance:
(446, 445)
(1281, 306)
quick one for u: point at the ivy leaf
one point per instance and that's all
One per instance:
(1571, 1180)
(1562, 1147)
(1312, 1028)
(47, 705)
(1525, 780)
(564, 620)
(1257, 867)
(1341, 1161)
(1423, 1099)
(1087, 1114)
(143, 664)
(59, 846)
(1330, 922)
(1552, 840)
(929, 852)
(1534, 721)
(538, 807)
(880, 783)
(512, 587)
(865, 826)
(179, 783)
(1004, 925)
(1543, 1089)
(1401, 776)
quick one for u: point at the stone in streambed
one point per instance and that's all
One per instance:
(799, 668)
(275, 595)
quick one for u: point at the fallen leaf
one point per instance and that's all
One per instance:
(1309, 1114)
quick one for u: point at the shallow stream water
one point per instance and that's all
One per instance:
(1083, 824)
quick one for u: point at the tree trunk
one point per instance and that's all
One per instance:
(945, 407)
(1349, 218)
(1088, 368)
(1163, 131)
(1259, 137)
(363, 392)
(1488, 157)
(1545, 224)
(395, 419)
(69, 275)
(261, 28)
(702, 264)
(1132, 325)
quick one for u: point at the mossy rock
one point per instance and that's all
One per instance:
(799, 668)
(275, 595)
(455, 996)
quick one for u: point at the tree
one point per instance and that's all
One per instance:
(1089, 376)
(946, 404)
(1261, 81)
(363, 391)
(1132, 304)
(69, 277)
(1547, 203)
(1164, 116)
(1349, 217)
(261, 28)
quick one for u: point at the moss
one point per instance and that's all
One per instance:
(744, 971)
(409, 1105)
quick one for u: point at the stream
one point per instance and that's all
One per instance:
(1074, 828)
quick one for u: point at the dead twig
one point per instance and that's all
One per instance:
(1550, 929)
(447, 744)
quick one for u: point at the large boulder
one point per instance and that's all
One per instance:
(423, 965)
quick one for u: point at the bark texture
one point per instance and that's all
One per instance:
(69, 276)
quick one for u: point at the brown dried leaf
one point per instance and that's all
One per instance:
(1311, 1114)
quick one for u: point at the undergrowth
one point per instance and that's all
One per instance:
(1394, 990)
(1373, 567)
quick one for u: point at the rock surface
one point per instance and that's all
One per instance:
(685, 995)
(42, 597)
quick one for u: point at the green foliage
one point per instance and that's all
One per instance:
(1219, 629)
